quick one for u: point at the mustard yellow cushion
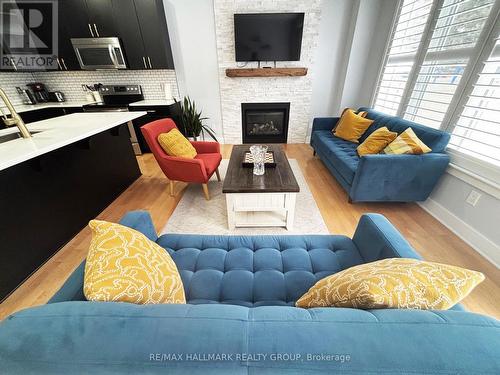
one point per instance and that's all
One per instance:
(393, 283)
(351, 126)
(175, 144)
(407, 143)
(123, 265)
(376, 141)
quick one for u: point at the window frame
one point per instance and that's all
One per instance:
(466, 164)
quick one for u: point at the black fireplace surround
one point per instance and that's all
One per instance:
(265, 122)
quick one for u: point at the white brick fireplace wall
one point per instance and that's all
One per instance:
(296, 90)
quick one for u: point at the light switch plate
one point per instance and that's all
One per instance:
(473, 198)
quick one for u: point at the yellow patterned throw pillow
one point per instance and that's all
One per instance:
(123, 265)
(399, 283)
(175, 144)
(407, 143)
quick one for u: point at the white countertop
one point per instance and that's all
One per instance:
(33, 107)
(20, 108)
(151, 102)
(58, 132)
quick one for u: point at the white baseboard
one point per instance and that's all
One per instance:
(471, 236)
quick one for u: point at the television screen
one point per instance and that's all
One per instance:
(268, 36)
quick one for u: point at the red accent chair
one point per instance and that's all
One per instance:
(197, 170)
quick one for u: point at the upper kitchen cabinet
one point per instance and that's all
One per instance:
(154, 31)
(66, 57)
(87, 18)
(101, 18)
(130, 33)
(74, 20)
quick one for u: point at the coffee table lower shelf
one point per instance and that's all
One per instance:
(260, 209)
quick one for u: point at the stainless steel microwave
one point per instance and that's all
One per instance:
(99, 53)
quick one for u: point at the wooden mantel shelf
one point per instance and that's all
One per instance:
(266, 72)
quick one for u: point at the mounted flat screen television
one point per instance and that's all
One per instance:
(268, 36)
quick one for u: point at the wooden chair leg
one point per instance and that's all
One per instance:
(205, 190)
(218, 174)
(171, 188)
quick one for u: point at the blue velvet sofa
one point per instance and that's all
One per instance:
(240, 318)
(380, 177)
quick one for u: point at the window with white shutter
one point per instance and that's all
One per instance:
(446, 74)
(477, 131)
(453, 39)
(406, 38)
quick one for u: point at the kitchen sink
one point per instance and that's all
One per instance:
(12, 136)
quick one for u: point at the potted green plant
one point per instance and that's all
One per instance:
(192, 122)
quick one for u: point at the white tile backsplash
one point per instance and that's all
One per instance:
(70, 82)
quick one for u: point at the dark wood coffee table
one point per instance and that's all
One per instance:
(260, 201)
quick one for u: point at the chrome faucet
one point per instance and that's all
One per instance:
(14, 118)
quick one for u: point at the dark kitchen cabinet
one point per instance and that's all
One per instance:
(41, 114)
(140, 24)
(87, 18)
(130, 33)
(73, 15)
(151, 16)
(66, 55)
(100, 15)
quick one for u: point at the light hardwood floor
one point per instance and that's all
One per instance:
(150, 192)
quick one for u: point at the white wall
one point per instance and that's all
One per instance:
(352, 39)
(477, 225)
(191, 26)
(329, 61)
(372, 21)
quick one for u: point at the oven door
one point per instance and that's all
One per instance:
(99, 53)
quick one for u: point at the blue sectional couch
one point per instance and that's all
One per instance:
(380, 177)
(240, 317)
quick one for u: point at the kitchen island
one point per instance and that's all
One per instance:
(52, 184)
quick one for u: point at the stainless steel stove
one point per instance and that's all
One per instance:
(116, 98)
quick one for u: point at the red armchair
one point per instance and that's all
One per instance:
(197, 170)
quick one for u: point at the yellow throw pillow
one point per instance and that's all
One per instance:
(123, 265)
(351, 126)
(393, 283)
(407, 143)
(175, 144)
(376, 141)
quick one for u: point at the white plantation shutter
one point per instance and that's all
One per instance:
(406, 38)
(442, 69)
(453, 39)
(477, 131)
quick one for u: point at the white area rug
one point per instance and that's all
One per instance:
(196, 215)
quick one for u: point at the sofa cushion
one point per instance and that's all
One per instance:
(122, 338)
(240, 270)
(341, 153)
(436, 139)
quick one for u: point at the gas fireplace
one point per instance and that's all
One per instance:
(265, 122)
